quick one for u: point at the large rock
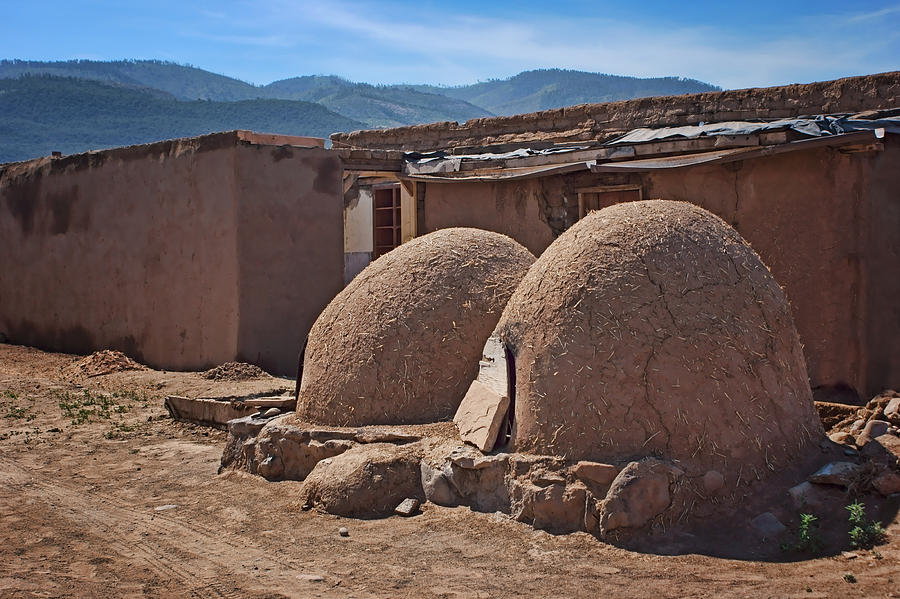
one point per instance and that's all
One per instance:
(638, 494)
(367, 481)
(481, 415)
(892, 411)
(842, 474)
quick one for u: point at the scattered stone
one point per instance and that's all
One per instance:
(713, 481)
(545, 478)
(768, 525)
(163, 508)
(887, 482)
(595, 472)
(480, 416)
(842, 438)
(892, 411)
(873, 429)
(271, 413)
(857, 426)
(366, 481)
(807, 496)
(407, 507)
(436, 485)
(343, 531)
(835, 473)
(555, 508)
(639, 493)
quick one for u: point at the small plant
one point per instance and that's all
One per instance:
(118, 430)
(808, 538)
(848, 577)
(863, 534)
(81, 409)
(16, 412)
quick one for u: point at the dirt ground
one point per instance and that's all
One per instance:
(102, 495)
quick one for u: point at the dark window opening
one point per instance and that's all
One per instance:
(386, 201)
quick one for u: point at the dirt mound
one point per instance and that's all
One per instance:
(101, 363)
(401, 343)
(235, 371)
(653, 329)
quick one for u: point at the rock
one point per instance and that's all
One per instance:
(545, 478)
(892, 411)
(884, 447)
(481, 415)
(713, 481)
(768, 525)
(595, 472)
(639, 493)
(873, 429)
(315, 577)
(163, 508)
(436, 486)
(807, 496)
(555, 508)
(343, 532)
(842, 438)
(849, 554)
(887, 482)
(366, 481)
(835, 473)
(857, 426)
(407, 507)
(288, 452)
(271, 413)
(364, 435)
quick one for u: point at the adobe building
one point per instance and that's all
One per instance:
(184, 254)
(806, 173)
(188, 253)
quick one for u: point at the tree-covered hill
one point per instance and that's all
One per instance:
(543, 89)
(184, 82)
(40, 114)
(377, 106)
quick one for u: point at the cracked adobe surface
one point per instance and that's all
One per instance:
(653, 329)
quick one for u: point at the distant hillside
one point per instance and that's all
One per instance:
(531, 91)
(39, 114)
(183, 82)
(377, 106)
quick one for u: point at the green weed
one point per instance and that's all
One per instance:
(863, 534)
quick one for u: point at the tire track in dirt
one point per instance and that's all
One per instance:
(179, 550)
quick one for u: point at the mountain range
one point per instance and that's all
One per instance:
(77, 105)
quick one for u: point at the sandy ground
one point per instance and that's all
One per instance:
(110, 498)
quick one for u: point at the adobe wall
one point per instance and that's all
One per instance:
(825, 222)
(290, 248)
(183, 254)
(587, 122)
(512, 208)
(132, 249)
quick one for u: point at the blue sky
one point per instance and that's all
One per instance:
(731, 44)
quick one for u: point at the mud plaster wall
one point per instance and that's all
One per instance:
(290, 248)
(826, 224)
(183, 254)
(132, 249)
(524, 210)
(603, 121)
